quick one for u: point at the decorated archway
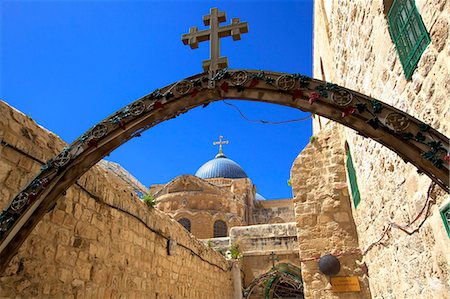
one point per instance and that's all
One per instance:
(282, 281)
(411, 139)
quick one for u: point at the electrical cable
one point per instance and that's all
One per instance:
(265, 121)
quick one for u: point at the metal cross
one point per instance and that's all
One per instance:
(214, 34)
(273, 258)
(220, 143)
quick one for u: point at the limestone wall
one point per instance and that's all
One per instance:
(256, 244)
(273, 211)
(353, 48)
(203, 202)
(100, 240)
(324, 216)
(265, 237)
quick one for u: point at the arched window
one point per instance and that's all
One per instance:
(186, 223)
(220, 229)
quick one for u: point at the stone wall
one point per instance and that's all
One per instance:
(353, 48)
(202, 203)
(100, 240)
(127, 177)
(324, 216)
(273, 211)
(257, 242)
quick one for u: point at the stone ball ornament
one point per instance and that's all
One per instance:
(329, 265)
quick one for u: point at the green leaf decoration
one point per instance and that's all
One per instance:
(424, 127)
(408, 136)
(436, 145)
(197, 82)
(361, 107)
(220, 75)
(303, 80)
(331, 86)
(169, 95)
(431, 156)
(420, 137)
(47, 165)
(376, 106)
(269, 80)
(259, 76)
(322, 91)
(439, 163)
(374, 123)
(157, 94)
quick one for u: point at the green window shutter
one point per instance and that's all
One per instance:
(445, 214)
(408, 33)
(352, 178)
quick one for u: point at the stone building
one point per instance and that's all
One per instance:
(220, 196)
(381, 225)
(219, 205)
(398, 52)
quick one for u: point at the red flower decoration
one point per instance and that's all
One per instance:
(349, 110)
(31, 197)
(314, 96)
(253, 83)
(296, 94)
(45, 182)
(157, 105)
(122, 125)
(224, 86)
(447, 158)
(194, 92)
(92, 142)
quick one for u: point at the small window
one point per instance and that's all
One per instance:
(220, 229)
(445, 214)
(352, 178)
(186, 223)
(408, 33)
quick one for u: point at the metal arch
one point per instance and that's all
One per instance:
(271, 276)
(410, 138)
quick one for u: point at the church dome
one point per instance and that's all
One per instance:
(221, 167)
(259, 197)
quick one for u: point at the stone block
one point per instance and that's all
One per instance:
(341, 217)
(58, 217)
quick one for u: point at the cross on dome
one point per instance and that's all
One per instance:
(220, 143)
(213, 35)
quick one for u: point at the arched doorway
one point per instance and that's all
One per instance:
(282, 281)
(410, 138)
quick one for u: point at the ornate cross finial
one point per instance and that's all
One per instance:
(273, 258)
(214, 34)
(220, 143)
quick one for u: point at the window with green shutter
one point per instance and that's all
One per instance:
(352, 178)
(445, 214)
(408, 33)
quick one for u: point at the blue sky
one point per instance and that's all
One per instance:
(69, 64)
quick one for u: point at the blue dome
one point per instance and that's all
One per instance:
(259, 197)
(221, 167)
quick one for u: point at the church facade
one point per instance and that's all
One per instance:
(218, 197)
